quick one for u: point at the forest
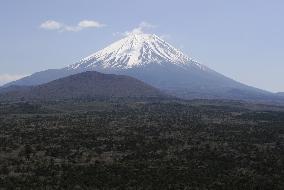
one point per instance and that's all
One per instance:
(141, 144)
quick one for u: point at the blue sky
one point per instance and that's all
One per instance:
(241, 39)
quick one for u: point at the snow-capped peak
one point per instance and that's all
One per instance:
(136, 49)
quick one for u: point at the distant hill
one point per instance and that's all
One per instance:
(90, 84)
(13, 88)
(280, 93)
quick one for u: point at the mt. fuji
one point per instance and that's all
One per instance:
(154, 61)
(136, 50)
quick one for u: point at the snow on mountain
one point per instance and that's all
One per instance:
(135, 50)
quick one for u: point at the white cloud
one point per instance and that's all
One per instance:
(54, 25)
(90, 24)
(146, 25)
(51, 25)
(165, 36)
(140, 29)
(5, 78)
(116, 34)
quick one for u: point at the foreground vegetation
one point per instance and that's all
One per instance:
(140, 144)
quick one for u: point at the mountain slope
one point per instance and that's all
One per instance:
(280, 94)
(89, 84)
(154, 61)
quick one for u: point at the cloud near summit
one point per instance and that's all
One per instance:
(59, 26)
(141, 27)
